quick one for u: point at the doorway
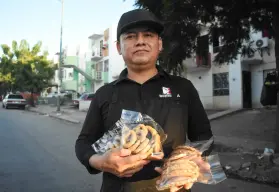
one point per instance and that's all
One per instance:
(246, 89)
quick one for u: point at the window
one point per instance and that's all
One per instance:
(106, 67)
(90, 96)
(215, 41)
(101, 47)
(84, 96)
(70, 74)
(202, 52)
(221, 84)
(98, 75)
(99, 66)
(15, 97)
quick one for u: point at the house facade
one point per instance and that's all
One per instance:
(71, 77)
(103, 60)
(233, 85)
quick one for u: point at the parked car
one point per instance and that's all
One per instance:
(83, 97)
(14, 100)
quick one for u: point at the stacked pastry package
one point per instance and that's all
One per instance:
(136, 132)
(186, 166)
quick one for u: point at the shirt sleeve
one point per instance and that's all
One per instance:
(91, 131)
(199, 128)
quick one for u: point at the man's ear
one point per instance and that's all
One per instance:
(118, 46)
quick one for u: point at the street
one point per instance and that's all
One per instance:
(38, 155)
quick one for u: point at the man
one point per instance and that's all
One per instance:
(144, 87)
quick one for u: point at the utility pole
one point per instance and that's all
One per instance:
(60, 58)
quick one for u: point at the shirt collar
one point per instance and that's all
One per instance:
(124, 73)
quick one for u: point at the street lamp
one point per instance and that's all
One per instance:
(60, 57)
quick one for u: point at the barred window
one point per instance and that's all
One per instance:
(221, 84)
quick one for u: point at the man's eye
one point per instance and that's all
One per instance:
(148, 35)
(129, 36)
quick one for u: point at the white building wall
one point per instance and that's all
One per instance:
(220, 102)
(116, 62)
(202, 81)
(235, 83)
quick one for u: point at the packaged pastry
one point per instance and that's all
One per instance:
(136, 132)
(111, 139)
(141, 134)
(186, 166)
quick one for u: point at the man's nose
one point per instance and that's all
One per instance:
(140, 39)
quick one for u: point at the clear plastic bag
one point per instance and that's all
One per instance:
(128, 132)
(109, 140)
(186, 165)
(141, 134)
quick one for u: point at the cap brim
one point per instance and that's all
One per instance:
(153, 25)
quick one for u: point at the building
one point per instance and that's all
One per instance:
(103, 60)
(234, 85)
(72, 70)
(87, 70)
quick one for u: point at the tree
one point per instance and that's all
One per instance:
(233, 20)
(28, 69)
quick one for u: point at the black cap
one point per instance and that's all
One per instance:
(138, 17)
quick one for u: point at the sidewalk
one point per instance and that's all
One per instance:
(241, 139)
(66, 113)
(249, 130)
(72, 115)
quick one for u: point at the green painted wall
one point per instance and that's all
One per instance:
(88, 67)
(88, 86)
(105, 77)
(75, 75)
(72, 60)
(71, 85)
(88, 70)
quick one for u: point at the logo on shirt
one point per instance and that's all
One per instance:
(166, 92)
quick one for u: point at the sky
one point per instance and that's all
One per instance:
(36, 20)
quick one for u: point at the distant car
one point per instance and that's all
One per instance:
(55, 94)
(83, 97)
(14, 101)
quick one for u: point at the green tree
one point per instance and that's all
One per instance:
(25, 68)
(233, 20)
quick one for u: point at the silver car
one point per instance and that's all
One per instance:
(14, 101)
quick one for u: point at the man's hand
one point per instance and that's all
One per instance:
(119, 162)
(204, 167)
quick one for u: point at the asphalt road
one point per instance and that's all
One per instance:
(37, 155)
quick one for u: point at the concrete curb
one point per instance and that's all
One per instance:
(224, 113)
(54, 116)
(210, 117)
(64, 119)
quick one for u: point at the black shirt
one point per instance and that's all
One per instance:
(97, 121)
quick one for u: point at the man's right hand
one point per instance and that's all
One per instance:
(119, 162)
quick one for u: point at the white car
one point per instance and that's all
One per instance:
(14, 101)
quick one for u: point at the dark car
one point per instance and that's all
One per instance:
(83, 97)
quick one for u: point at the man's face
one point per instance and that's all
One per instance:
(139, 47)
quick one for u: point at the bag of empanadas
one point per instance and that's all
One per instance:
(186, 165)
